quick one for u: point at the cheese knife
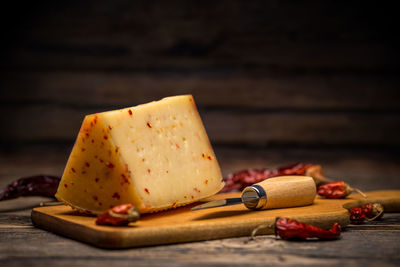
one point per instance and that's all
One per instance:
(278, 192)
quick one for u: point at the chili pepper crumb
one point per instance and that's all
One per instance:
(125, 179)
(110, 165)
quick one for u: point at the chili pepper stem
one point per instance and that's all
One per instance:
(318, 175)
(131, 215)
(360, 192)
(258, 228)
(376, 216)
(323, 179)
(51, 203)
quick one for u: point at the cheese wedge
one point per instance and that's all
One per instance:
(156, 156)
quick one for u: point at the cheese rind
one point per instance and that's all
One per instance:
(155, 156)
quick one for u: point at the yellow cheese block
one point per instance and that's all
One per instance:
(155, 156)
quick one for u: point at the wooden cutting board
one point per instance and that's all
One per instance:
(183, 225)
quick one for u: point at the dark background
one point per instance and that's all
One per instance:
(275, 81)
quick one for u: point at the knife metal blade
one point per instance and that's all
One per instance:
(225, 202)
(219, 203)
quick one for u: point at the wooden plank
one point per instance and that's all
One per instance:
(302, 128)
(95, 35)
(15, 222)
(365, 169)
(39, 123)
(36, 248)
(229, 89)
(337, 57)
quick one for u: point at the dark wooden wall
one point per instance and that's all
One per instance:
(281, 73)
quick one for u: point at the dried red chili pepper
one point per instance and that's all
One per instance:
(369, 212)
(239, 180)
(357, 215)
(373, 211)
(291, 229)
(39, 185)
(119, 215)
(338, 189)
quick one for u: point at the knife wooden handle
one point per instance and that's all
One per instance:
(281, 192)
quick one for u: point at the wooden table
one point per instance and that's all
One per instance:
(375, 243)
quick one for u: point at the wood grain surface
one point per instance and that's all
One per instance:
(183, 225)
(278, 73)
(312, 82)
(374, 243)
(256, 128)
